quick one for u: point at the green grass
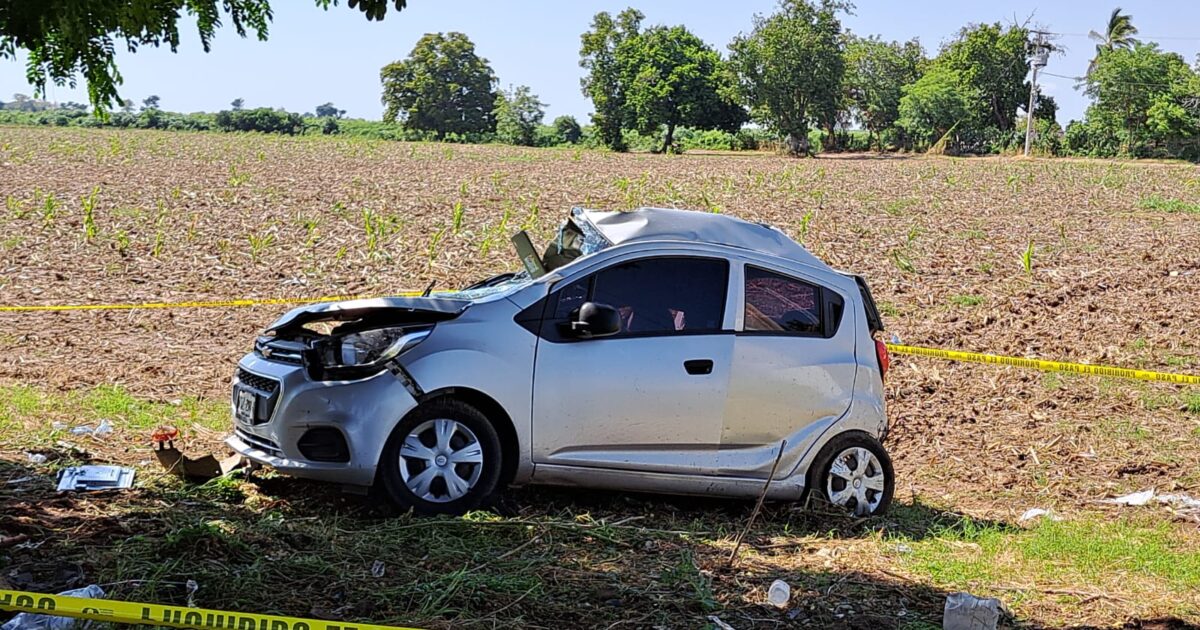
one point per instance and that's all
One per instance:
(1191, 402)
(966, 300)
(1087, 551)
(1168, 204)
(27, 414)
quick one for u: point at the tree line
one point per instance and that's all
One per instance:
(797, 76)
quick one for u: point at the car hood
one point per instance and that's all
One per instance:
(389, 310)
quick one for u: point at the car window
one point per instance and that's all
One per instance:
(778, 303)
(656, 295)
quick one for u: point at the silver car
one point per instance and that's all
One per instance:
(655, 350)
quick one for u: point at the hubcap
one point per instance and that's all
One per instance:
(440, 460)
(856, 481)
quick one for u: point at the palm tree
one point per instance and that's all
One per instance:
(1119, 34)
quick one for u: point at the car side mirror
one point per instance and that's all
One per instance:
(595, 320)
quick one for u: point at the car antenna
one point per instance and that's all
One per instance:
(428, 289)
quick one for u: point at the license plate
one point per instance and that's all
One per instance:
(246, 404)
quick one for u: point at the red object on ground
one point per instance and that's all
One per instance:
(165, 433)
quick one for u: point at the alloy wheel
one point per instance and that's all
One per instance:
(856, 481)
(440, 460)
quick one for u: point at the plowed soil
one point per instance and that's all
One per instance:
(1112, 279)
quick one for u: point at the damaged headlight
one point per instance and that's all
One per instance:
(369, 348)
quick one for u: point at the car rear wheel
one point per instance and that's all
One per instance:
(443, 458)
(854, 473)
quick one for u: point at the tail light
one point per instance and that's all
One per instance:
(885, 360)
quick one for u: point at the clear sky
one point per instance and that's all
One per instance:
(314, 56)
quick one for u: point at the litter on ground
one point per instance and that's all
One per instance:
(94, 478)
(31, 621)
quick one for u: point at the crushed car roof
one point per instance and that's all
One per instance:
(665, 224)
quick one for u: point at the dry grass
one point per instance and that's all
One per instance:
(1055, 259)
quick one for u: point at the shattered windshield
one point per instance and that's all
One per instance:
(576, 237)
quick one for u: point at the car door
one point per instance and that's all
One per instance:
(651, 397)
(793, 370)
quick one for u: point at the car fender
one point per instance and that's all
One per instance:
(505, 378)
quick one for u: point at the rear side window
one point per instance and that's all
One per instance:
(657, 295)
(777, 303)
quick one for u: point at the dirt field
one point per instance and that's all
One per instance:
(1066, 260)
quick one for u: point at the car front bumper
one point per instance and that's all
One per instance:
(363, 411)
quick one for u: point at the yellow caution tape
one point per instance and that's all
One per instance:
(214, 304)
(1046, 366)
(952, 355)
(169, 616)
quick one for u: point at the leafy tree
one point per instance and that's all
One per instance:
(1117, 35)
(790, 67)
(876, 73)
(442, 87)
(127, 105)
(567, 129)
(261, 119)
(1046, 108)
(328, 110)
(936, 104)
(1142, 97)
(237, 103)
(518, 114)
(671, 78)
(69, 37)
(150, 102)
(992, 62)
(603, 81)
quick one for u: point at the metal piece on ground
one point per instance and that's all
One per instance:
(94, 478)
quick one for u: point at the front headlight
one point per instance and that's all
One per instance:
(370, 347)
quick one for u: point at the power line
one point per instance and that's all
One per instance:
(1063, 76)
(1143, 37)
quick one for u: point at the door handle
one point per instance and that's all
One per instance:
(698, 366)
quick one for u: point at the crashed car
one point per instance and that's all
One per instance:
(655, 350)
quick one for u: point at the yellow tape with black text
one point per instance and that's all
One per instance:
(169, 616)
(1046, 366)
(952, 355)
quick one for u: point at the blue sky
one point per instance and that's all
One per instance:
(314, 56)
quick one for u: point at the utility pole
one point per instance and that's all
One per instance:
(1041, 53)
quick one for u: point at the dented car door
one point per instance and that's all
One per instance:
(793, 370)
(649, 398)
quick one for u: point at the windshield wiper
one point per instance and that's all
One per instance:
(491, 282)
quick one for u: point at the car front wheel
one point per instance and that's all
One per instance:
(854, 472)
(443, 458)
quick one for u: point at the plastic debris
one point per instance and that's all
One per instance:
(716, 621)
(35, 458)
(1033, 513)
(377, 569)
(1180, 503)
(779, 594)
(1135, 498)
(964, 611)
(94, 478)
(100, 430)
(30, 621)
(192, 586)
